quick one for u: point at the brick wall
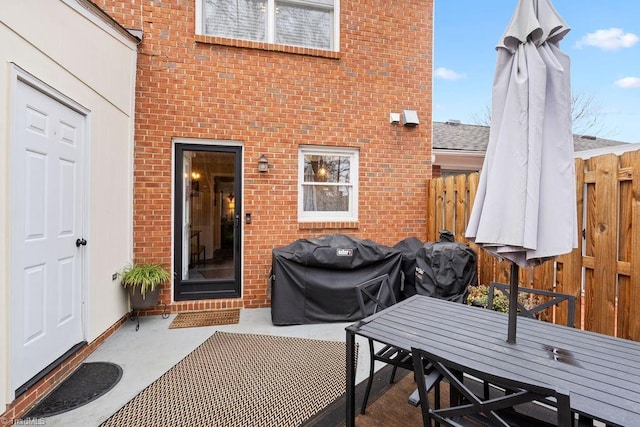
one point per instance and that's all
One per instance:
(275, 98)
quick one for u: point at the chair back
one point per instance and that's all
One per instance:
(467, 405)
(550, 299)
(375, 295)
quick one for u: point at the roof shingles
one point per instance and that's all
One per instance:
(452, 135)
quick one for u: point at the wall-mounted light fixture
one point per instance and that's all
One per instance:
(263, 164)
(195, 181)
(410, 118)
(322, 169)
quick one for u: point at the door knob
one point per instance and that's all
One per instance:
(81, 242)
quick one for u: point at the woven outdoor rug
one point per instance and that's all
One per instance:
(206, 318)
(242, 380)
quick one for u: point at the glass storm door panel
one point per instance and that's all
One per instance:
(207, 228)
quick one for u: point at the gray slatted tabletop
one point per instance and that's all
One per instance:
(601, 373)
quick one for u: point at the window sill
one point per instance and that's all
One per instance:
(316, 225)
(298, 50)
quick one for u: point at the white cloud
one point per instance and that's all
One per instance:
(611, 39)
(446, 74)
(628, 82)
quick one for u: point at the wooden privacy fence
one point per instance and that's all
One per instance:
(603, 272)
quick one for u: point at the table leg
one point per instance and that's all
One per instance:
(351, 379)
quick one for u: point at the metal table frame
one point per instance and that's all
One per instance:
(601, 373)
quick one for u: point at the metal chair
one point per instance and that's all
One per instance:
(375, 295)
(555, 298)
(467, 408)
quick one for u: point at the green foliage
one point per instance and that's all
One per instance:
(146, 276)
(479, 296)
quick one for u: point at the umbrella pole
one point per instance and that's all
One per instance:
(513, 303)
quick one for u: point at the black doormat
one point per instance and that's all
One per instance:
(87, 383)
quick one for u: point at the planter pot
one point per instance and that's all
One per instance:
(476, 303)
(138, 303)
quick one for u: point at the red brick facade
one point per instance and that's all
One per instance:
(275, 98)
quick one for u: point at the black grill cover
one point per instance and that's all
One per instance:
(445, 270)
(313, 280)
(409, 247)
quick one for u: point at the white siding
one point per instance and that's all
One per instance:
(82, 57)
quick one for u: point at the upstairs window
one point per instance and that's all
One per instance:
(328, 180)
(306, 23)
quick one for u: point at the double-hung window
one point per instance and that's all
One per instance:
(328, 184)
(306, 23)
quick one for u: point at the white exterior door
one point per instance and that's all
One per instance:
(46, 221)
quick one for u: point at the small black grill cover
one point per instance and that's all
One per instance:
(445, 270)
(313, 280)
(409, 247)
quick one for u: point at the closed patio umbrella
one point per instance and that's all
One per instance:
(525, 205)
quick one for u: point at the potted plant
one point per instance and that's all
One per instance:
(479, 297)
(142, 281)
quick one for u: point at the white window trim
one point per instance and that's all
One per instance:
(324, 216)
(271, 19)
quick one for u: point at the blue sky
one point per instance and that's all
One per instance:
(603, 44)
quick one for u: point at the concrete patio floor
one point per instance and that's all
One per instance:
(144, 355)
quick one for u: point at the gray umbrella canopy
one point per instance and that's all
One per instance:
(525, 206)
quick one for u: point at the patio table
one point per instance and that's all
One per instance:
(601, 373)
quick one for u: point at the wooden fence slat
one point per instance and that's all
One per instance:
(460, 208)
(438, 209)
(570, 279)
(632, 318)
(623, 267)
(602, 289)
(450, 204)
(432, 203)
(472, 188)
